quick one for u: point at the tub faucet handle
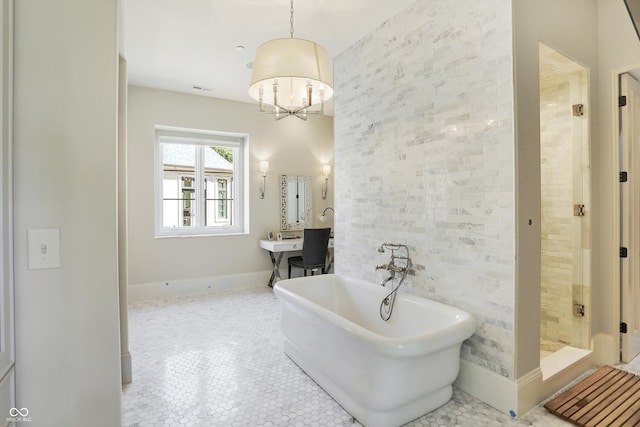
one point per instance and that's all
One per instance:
(387, 280)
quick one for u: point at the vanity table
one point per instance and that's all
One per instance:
(277, 249)
(295, 216)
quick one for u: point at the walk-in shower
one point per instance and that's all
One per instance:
(565, 210)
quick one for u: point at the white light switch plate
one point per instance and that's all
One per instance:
(44, 248)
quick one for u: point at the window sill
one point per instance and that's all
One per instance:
(182, 236)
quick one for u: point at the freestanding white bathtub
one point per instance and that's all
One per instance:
(383, 373)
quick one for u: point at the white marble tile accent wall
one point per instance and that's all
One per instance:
(424, 155)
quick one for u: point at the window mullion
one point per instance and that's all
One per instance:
(234, 191)
(159, 187)
(200, 220)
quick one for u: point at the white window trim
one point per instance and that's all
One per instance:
(216, 185)
(175, 135)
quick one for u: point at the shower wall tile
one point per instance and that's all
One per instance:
(424, 155)
(561, 256)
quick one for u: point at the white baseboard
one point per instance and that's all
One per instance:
(512, 398)
(530, 391)
(606, 349)
(203, 285)
(126, 371)
(8, 400)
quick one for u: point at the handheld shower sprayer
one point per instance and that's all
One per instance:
(386, 307)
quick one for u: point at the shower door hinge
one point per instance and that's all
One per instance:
(622, 101)
(578, 110)
(623, 328)
(623, 252)
(578, 310)
(578, 210)
(623, 177)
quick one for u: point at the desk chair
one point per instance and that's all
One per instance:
(315, 245)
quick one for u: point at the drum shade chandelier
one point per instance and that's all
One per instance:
(291, 77)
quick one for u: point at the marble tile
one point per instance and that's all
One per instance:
(424, 155)
(558, 292)
(217, 360)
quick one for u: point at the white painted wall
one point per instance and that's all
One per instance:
(123, 279)
(7, 319)
(291, 146)
(563, 26)
(64, 163)
(600, 36)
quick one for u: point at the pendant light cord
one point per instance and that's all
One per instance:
(291, 19)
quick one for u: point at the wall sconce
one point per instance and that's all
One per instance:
(326, 170)
(264, 168)
(323, 216)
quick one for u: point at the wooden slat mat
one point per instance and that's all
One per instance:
(608, 397)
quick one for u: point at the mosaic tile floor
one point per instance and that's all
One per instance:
(216, 360)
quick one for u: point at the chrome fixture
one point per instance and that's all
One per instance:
(384, 282)
(326, 171)
(264, 168)
(323, 216)
(386, 306)
(290, 76)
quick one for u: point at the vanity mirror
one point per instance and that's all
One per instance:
(295, 202)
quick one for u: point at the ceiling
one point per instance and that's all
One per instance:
(554, 64)
(191, 45)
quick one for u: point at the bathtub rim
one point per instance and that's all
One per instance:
(463, 326)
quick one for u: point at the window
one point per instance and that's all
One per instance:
(200, 182)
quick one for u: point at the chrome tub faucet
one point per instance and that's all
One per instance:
(386, 306)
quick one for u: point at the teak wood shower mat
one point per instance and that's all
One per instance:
(608, 397)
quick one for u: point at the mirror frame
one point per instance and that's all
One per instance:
(284, 205)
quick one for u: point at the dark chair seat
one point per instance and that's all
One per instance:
(314, 251)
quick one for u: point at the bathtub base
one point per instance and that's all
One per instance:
(368, 417)
(383, 373)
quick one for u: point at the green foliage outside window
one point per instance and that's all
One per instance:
(225, 152)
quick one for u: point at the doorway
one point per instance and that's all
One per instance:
(629, 132)
(565, 206)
